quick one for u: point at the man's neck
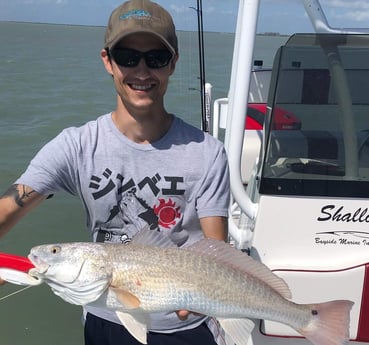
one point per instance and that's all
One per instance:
(142, 127)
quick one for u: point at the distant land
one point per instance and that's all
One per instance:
(270, 33)
(267, 33)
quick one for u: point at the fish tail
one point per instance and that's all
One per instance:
(330, 323)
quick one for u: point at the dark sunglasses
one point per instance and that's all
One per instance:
(131, 58)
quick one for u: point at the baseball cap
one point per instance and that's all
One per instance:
(138, 16)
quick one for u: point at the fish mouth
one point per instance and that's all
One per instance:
(41, 267)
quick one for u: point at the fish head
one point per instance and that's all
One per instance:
(77, 272)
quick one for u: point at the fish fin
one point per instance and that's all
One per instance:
(129, 300)
(330, 323)
(238, 329)
(225, 254)
(136, 325)
(153, 238)
(18, 277)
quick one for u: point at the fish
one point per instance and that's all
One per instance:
(210, 277)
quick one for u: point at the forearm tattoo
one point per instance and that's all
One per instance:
(19, 196)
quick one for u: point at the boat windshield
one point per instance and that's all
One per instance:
(323, 80)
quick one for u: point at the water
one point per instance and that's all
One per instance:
(51, 78)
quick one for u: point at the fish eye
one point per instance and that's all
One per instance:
(55, 249)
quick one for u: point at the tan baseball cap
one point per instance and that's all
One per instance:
(137, 16)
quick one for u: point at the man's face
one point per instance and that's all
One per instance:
(141, 88)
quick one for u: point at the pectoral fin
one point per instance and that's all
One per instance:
(238, 329)
(135, 324)
(129, 300)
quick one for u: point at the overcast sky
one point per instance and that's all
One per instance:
(284, 16)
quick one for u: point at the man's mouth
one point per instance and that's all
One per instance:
(139, 87)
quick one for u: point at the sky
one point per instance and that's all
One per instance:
(282, 16)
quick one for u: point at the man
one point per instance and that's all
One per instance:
(134, 167)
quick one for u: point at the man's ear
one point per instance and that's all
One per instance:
(106, 61)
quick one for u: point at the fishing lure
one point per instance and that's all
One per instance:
(14, 269)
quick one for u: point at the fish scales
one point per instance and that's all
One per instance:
(210, 288)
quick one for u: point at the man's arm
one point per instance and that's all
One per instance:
(15, 203)
(215, 227)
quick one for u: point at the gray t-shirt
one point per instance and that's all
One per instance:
(124, 186)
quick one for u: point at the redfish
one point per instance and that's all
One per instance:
(209, 277)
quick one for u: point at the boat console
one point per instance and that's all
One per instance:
(311, 184)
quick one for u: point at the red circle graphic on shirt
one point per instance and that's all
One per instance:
(167, 213)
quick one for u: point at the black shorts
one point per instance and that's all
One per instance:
(102, 332)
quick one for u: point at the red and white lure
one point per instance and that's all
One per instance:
(14, 269)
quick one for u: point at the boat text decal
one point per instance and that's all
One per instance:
(338, 215)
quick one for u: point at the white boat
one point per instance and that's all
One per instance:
(301, 195)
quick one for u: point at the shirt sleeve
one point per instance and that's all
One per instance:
(53, 167)
(214, 194)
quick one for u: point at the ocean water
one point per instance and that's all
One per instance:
(51, 77)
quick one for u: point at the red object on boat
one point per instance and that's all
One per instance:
(19, 263)
(283, 119)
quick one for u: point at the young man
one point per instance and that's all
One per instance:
(134, 167)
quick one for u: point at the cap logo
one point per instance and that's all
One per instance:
(135, 14)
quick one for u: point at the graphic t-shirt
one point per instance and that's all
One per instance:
(125, 186)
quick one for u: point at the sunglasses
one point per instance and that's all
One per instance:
(131, 58)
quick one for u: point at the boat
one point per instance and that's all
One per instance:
(300, 194)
